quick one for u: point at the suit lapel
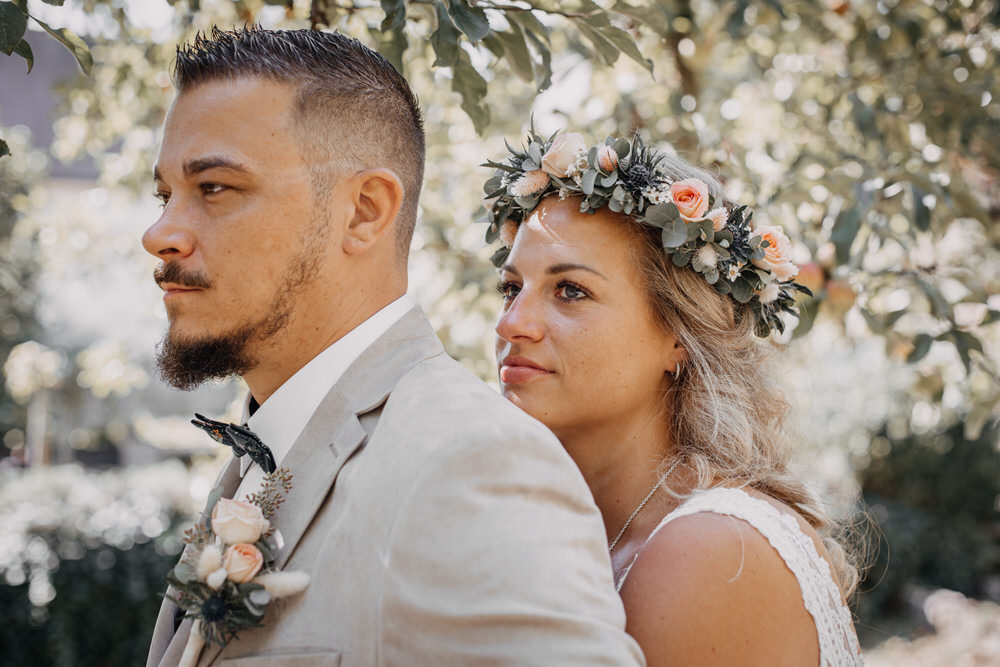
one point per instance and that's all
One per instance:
(333, 435)
(164, 636)
(335, 432)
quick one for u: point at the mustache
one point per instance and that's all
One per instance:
(172, 272)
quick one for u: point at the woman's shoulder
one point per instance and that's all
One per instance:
(696, 592)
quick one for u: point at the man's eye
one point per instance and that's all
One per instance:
(212, 188)
(164, 197)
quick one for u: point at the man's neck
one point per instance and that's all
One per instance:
(306, 336)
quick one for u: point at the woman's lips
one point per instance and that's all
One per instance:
(518, 370)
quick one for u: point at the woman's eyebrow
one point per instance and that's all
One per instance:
(563, 268)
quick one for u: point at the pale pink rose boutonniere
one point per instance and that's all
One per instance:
(226, 579)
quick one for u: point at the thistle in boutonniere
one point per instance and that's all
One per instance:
(226, 578)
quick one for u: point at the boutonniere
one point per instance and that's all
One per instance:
(226, 578)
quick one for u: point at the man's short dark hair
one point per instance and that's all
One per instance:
(353, 109)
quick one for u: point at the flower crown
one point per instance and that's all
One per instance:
(748, 263)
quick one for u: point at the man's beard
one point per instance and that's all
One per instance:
(186, 363)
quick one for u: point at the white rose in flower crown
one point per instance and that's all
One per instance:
(237, 521)
(562, 153)
(776, 257)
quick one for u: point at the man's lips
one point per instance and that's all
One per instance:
(517, 370)
(172, 289)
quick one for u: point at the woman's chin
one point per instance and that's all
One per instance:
(529, 404)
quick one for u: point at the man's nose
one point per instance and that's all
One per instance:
(170, 237)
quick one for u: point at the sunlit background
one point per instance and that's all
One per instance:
(869, 130)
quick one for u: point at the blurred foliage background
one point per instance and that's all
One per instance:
(868, 130)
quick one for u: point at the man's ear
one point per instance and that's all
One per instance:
(377, 198)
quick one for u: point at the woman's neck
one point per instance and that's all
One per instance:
(620, 461)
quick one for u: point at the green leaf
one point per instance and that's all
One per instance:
(518, 55)
(4, 148)
(659, 215)
(185, 572)
(470, 20)
(622, 147)
(24, 50)
(71, 41)
(939, 306)
(742, 291)
(392, 40)
(587, 183)
(543, 70)
(674, 234)
(921, 214)
(60, 3)
(605, 48)
(654, 17)
(921, 346)
(874, 323)
(468, 83)
(13, 23)
(445, 38)
(965, 343)
(626, 45)
(529, 23)
(845, 229)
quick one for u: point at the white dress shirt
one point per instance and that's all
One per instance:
(281, 418)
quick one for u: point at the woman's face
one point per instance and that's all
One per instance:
(577, 347)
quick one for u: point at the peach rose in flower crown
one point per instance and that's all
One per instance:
(777, 255)
(563, 152)
(237, 521)
(242, 562)
(690, 196)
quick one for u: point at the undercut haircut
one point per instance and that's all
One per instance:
(352, 111)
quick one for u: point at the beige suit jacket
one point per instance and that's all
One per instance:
(439, 524)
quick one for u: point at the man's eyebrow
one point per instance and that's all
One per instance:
(212, 162)
(203, 164)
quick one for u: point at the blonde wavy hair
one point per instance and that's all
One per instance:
(727, 415)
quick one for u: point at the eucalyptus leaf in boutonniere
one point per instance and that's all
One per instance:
(225, 580)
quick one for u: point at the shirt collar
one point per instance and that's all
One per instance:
(281, 418)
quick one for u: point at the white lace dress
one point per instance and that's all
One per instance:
(838, 644)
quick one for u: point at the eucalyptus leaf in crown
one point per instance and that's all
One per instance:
(746, 262)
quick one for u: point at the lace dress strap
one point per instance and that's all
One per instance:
(838, 643)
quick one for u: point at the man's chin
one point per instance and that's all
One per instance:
(186, 362)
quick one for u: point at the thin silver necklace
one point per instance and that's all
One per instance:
(645, 500)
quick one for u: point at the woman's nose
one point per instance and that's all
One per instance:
(522, 320)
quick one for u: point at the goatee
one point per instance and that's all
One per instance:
(185, 364)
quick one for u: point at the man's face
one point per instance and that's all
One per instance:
(241, 237)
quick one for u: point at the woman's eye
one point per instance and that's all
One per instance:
(571, 292)
(508, 290)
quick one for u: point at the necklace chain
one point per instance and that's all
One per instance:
(645, 500)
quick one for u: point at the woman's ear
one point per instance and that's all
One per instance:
(676, 359)
(377, 198)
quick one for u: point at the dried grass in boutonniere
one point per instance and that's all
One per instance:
(225, 580)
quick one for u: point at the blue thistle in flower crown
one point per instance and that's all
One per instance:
(748, 263)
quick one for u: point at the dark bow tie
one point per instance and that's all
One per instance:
(240, 438)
